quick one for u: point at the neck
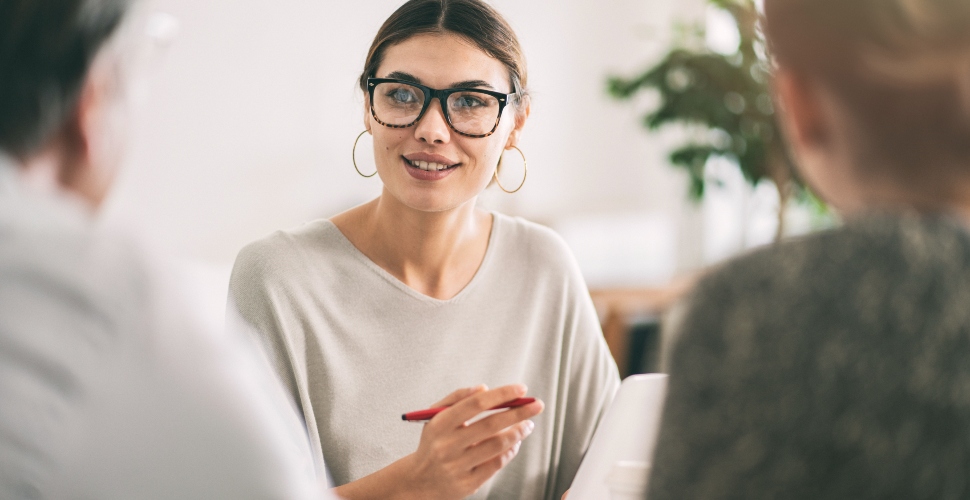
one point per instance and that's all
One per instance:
(927, 195)
(435, 253)
(41, 172)
(53, 171)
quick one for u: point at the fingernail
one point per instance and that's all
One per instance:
(529, 427)
(525, 389)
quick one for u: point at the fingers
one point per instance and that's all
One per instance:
(498, 444)
(469, 407)
(486, 470)
(495, 423)
(471, 454)
(459, 395)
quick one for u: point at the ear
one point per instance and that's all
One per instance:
(90, 147)
(367, 112)
(801, 110)
(817, 136)
(521, 115)
(77, 137)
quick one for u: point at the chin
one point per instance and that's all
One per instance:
(432, 202)
(431, 206)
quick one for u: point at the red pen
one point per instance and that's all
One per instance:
(419, 415)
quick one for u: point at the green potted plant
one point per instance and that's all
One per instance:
(728, 96)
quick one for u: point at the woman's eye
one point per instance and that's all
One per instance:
(469, 101)
(402, 96)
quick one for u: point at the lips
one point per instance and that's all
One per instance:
(428, 166)
(423, 170)
(429, 162)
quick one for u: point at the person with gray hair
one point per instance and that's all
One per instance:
(836, 365)
(109, 386)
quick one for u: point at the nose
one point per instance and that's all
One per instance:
(433, 127)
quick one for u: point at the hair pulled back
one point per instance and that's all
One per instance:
(473, 20)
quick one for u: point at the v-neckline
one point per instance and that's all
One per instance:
(393, 280)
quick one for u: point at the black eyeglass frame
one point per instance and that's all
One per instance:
(442, 96)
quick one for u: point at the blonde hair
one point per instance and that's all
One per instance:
(901, 66)
(925, 42)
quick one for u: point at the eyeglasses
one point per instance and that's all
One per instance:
(470, 112)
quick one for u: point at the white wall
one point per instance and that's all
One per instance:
(254, 111)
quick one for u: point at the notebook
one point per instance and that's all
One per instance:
(628, 432)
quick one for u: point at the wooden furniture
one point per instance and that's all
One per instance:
(619, 307)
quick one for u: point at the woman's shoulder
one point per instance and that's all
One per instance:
(534, 247)
(289, 248)
(533, 238)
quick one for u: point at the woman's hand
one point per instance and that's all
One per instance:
(455, 458)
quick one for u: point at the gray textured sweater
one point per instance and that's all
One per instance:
(358, 348)
(837, 366)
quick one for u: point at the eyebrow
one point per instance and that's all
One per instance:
(400, 75)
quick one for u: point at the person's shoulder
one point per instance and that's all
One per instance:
(791, 263)
(867, 260)
(83, 265)
(533, 242)
(876, 242)
(286, 249)
(74, 291)
(938, 240)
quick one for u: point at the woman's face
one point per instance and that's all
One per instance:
(440, 62)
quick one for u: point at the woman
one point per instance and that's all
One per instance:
(835, 366)
(388, 306)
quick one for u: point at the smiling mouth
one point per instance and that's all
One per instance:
(429, 166)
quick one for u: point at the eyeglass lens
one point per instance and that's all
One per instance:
(469, 112)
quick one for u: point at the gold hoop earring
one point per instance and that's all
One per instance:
(354, 156)
(525, 172)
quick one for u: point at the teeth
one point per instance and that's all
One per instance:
(429, 166)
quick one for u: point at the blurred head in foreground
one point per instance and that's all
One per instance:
(876, 99)
(835, 365)
(61, 106)
(110, 385)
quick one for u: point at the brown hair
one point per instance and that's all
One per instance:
(902, 68)
(473, 20)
